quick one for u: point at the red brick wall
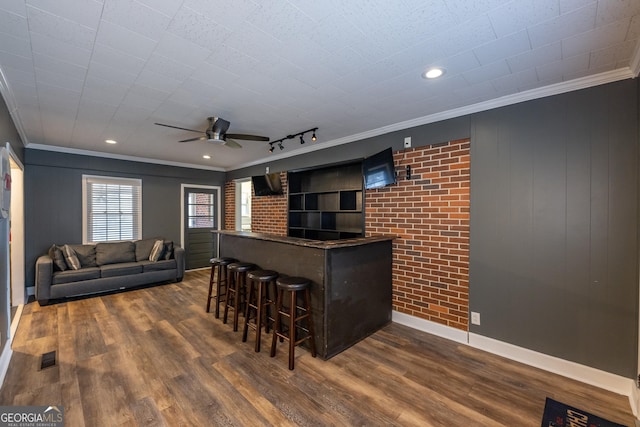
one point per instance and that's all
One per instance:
(268, 213)
(430, 214)
(230, 205)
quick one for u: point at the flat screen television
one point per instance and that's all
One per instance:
(267, 185)
(379, 170)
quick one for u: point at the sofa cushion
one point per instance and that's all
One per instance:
(86, 255)
(168, 249)
(56, 254)
(122, 269)
(143, 248)
(71, 258)
(163, 264)
(70, 276)
(116, 252)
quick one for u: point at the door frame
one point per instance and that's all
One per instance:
(218, 210)
(17, 266)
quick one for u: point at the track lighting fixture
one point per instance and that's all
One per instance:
(300, 134)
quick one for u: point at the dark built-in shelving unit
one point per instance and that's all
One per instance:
(326, 203)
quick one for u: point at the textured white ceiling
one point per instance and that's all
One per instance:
(79, 72)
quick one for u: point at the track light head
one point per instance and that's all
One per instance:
(271, 148)
(280, 145)
(313, 137)
(301, 140)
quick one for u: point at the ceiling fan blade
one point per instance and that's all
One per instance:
(247, 137)
(177, 127)
(194, 139)
(232, 144)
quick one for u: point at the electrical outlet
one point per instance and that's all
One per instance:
(407, 142)
(475, 318)
(266, 169)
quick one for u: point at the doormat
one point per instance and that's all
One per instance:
(558, 414)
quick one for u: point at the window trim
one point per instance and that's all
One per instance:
(102, 179)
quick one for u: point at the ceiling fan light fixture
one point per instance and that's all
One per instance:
(433, 73)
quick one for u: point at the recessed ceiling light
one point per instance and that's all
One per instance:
(110, 141)
(206, 156)
(433, 73)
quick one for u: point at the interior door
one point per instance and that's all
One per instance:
(201, 213)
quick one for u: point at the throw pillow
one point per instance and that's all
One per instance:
(156, 251)
(55, 252)
(86, 254)
(71, 258)
(168, 249)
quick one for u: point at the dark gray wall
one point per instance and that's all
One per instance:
(554, 226)
(554, 219)
(8, 132)
(53, 197)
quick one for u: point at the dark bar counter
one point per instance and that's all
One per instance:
(351, 290)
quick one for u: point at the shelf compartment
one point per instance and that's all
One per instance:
(296, 202)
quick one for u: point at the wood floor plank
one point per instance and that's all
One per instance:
(154, 357)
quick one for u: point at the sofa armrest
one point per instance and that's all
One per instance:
(44, 274)
(178, 254)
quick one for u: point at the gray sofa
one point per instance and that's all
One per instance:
(74, 270)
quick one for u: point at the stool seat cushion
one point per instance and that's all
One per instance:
(241, 266)
(293, 283)
(222, 260)
(262, 275)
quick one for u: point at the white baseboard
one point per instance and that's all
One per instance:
(5, 359)
(586, 374)
(433, 328)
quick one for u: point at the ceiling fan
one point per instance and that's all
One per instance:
(217, 133)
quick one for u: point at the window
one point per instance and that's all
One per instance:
(243, 205)
(112, 208)
(200, 210)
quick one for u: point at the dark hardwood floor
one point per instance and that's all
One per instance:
(154, 357)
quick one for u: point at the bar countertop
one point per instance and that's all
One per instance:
(319, 244)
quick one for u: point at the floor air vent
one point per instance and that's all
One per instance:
(48, 360)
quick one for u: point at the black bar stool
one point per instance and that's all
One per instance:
(258, 302)
(295, 314)
(236, 283)
(219, 277)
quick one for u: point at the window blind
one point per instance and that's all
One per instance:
(112, 209)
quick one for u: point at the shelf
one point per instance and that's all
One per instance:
(326, 203)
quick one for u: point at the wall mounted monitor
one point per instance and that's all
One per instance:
(267, 185)
(379, 170)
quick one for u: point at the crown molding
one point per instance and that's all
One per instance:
(542, 92)
(67, 150)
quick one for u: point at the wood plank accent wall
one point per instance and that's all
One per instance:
(430, 214)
